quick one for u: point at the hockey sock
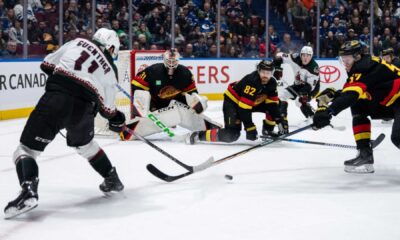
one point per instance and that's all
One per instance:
(362, 131)
(101, 163)
(27, 169)
(209, 135)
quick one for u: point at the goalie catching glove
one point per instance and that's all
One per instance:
(196, 102)
(117, 123)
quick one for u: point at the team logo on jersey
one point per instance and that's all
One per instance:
(329, 73)
(158, 82)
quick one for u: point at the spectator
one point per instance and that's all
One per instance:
(179, 38)
(323, 30)
(365, 36)
(331, 45)
(337, 27)
(10, 51)
(188, 53)
(143, 42)
(153, 47)
(342, 15)
(248, 8)
(145, 31)
(376, 46)
(287, 46)
(273, 35)
(200, 48)
(16, 33)
(232, 52)
(155, 21)
(252, 50)
(351, 35)
(391, 43)
(212, 53)
(310, 27)
(161, 38)
(300, 14)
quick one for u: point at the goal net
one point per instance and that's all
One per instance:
(128, 64)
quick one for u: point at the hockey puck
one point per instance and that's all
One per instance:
(228, 177)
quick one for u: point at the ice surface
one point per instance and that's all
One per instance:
(281, 191)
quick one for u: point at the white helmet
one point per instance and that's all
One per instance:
(171, 59)
(107, 38)
(307, 50)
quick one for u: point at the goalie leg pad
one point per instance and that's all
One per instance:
(155, 122)
(193, 121)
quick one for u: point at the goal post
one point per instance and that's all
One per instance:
(129, 63)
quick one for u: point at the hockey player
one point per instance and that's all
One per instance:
(81, 81)
(306, 83)
(256, 92)
(167, 93)
(389, 57)
(371, 90)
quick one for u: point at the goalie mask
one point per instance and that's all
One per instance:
(108, 39)
(171, 60)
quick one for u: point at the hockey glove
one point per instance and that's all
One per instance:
(117, 123)
(278, 73)
(251, 133)
(327, 96)
(322, 118)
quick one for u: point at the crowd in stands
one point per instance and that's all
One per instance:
(243, 25)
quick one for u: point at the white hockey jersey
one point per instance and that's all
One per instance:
(303, 74)
(85, 63)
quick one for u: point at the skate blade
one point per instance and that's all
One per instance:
(366, 168)
(12, 212)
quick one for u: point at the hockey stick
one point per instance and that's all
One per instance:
(180, 163)
(374, 143)
(210, 163)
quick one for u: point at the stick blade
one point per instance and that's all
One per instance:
(167, 178)
(378, 140)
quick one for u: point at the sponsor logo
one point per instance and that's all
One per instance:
(151, 58)
(329, 73)
(160, 125)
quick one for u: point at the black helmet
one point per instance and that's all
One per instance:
(388, 51)
(265, 65)
(352, 47)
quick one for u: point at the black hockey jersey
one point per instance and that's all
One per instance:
(249, 92)
(162, 87)
(373, 79)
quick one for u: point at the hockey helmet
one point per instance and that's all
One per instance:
(388, 51)
(171, 59)
(352, 47)
(265, 65)
(108, 39)
(307, 50)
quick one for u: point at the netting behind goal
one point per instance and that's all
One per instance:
(129, 63)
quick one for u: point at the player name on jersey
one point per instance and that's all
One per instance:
(96, 54)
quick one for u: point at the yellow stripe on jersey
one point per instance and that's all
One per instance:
(251, 128)
(229, 94)
(359, 90)
(393, 99)
(244, 105)
(138, 84)
(270, 122)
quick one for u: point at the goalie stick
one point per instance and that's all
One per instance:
(210, 162)
(374, 143)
